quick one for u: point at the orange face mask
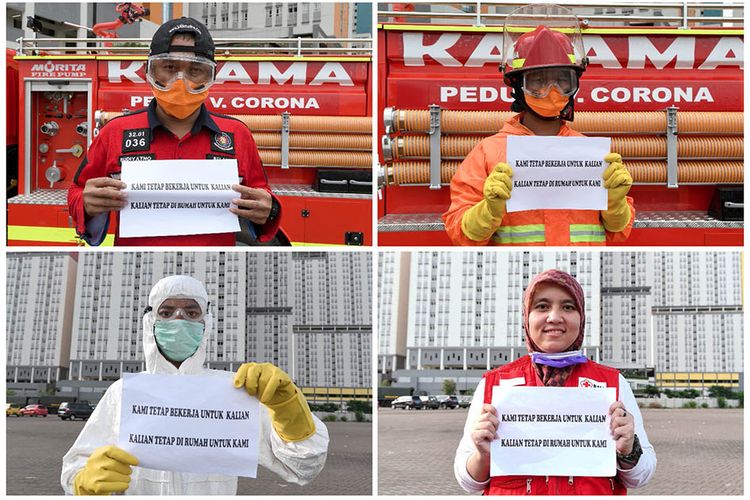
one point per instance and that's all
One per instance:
(550, 106)
(177, 101)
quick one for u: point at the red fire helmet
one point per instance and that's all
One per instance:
(543, 48)
(541, 36)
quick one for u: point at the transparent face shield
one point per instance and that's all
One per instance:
(197, 73)
(539, 82)
(527, 19)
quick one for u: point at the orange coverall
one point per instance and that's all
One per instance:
(528, 227)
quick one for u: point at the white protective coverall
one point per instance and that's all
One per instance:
(295, 462)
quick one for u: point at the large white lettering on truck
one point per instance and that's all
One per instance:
(268, 73)
(419, 50)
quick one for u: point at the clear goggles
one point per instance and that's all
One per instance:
(163, 70)
(165, 313)
(539, 82)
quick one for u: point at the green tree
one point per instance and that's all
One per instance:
(652, 391)
(717, 391)
(449, 386)
(690, 393)
(386, 382)
(359, 406)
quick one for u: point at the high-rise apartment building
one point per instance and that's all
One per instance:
(464, 308)
(311, 315)
(669, 311)
(674, 311)
(39, 315)
(393, 297)
(307, 312)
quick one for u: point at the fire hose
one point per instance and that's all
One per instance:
(643, 172)
(357, 142)
(348, 159)
(339, 124)
(340, 141)
(586, 122)
(689, 147)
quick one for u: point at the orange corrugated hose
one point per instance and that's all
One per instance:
(356, 142)
(418, 172)
(590, 122)
(341, 124)
(724, 148)
(349, 136)
(349, 159)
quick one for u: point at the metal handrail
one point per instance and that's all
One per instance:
(297, 46)
(474, 12)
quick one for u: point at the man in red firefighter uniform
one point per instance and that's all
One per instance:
(543, 67)
(176, 125)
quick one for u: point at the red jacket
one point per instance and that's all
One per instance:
(141, 136)
(528, 227)
(555, 485)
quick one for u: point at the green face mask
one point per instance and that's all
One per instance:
(178, 339)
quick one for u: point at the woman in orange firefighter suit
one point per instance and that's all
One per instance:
(543, 67)
(554, 322)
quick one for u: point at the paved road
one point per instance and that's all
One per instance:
(35, 447)
(699, 452)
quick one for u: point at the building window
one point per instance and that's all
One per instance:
(292, 18)
(269, 15)
(277, 15)
(316, 12)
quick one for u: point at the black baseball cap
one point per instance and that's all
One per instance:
(161, 43)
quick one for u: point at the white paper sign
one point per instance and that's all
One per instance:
(553, 431)
(178, 197)
(557, 172)
(190, 423)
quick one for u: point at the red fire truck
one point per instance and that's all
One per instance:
(307, 102)
(670, 97)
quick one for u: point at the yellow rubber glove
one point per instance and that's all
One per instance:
(272, 386)
(481, 220)
(617, 181)
(107, 471)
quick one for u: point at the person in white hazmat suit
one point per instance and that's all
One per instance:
(176, 328)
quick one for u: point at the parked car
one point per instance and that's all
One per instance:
(416, 403)
(12, 409)
(402, 402)
(448, 402)
(430, 403)
(73, 411)
(34, 410)
(464, 401)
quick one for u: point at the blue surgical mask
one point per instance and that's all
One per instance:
(178, 339)
(558, 359)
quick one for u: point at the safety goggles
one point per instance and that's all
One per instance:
(163, 70)
(539, 82)
(165, 313)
